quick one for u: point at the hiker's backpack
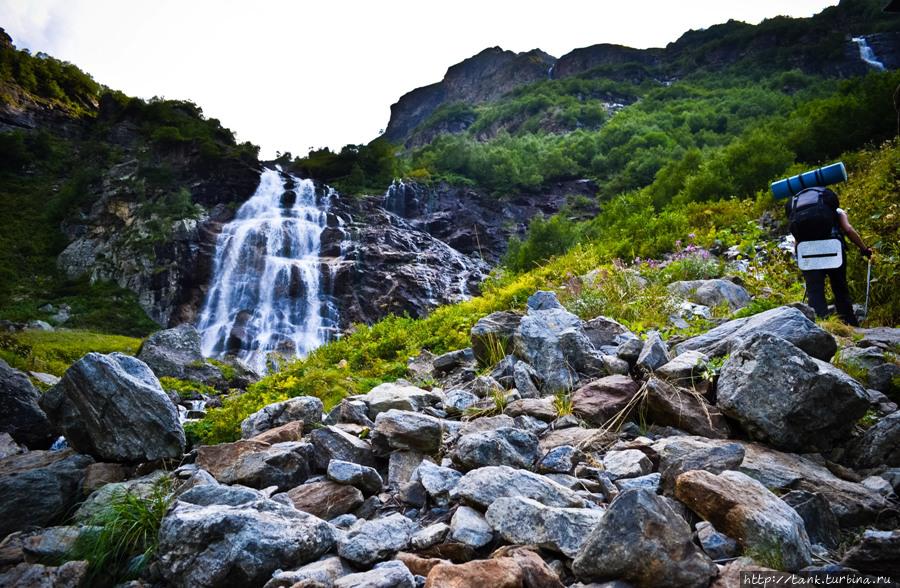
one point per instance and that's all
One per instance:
(811, 218)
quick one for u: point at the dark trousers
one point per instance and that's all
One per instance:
(815, 291)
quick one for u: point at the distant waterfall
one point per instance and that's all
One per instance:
(265, 295)
(867, 54)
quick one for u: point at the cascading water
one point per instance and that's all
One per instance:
(867, 54)
(265, 295)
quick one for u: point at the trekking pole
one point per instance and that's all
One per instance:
(868, 285)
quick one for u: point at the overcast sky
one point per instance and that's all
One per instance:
(290, 75)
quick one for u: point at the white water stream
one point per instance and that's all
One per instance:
(265, 295)
(867, 54)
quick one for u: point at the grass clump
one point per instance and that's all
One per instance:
(121, 539)
(54, 351)
(186, 389)
(562, 404)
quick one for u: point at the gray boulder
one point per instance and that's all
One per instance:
(629, 463)
(492, 334)
(430, 536)
(643, 541)
(257, 464)
(175, 353)
(390, 574)
(878, 446)
(452, 359)
(685, 369)
(437, 481)
(20, 415)
(606, 332)
(877, 554)
(363, 477)
(404, 430)
(527, 380)
(785, 398)
(397, 396)
(684, 409)
(504, 446)
(681, 454)
(524, 521)
(468, 527)
(712, 293)
(39, 488)
(457, 401)
(302, 408)
(786, 322)
(377, 540)
(483, 486)
(324, 571)
(552, 340)
(560, 460)
(333, 443)
(744, 509)
(112, 407)
(71, 574)
(818, 519)
(232, 536)
(654, 354)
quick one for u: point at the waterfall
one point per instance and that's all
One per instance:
(867, 54)
(265, 294)
(550, 72)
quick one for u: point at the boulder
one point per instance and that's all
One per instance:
(654, 354)
(71, 574)
(668, 405)
(786, 322)
(324, 571)
(603, 331)
(712, 293)
(98, 475)
(390, 574)
(363, 477)
(333, 443)
(20, 415)
(307, 409)
(112, 407)
(539, 408)
(175, 353)
(325, 499)
(523, 521)
(405, 430)
(629, 463)
(469, 527)
(508, 568)
(852, 503)
(483, 486)
(142, 487)
(396, 396)
(878, 446)
(451, 360)
(437, 481)
(886, 338)
(559, 460)
(642, 540)
(39, 488)
(457, 401)
(681, 454)
(527, 380)
(492, 334)
(820, 523)
(376, 540)
(600, 400)
(649, 482)
(430, 536)
(717, 546)
(744, 509)
(230, 536)
(256, 464)
(292, 431)
(785, 398)
(685, 370)
(402, 466)
(877, 554)
(552, 340)
(505, 446)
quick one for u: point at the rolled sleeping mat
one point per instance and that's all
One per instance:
(830, 174)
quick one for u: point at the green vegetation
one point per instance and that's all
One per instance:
(53, 352)
(186, 388)
(120, 540)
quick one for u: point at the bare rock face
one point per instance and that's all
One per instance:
(744, 509)
(112, 407)
(785, 398)
(220, 536)
(643, 541)
(20, 415)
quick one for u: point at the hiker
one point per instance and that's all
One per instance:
(815, 214)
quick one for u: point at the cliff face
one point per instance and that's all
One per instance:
(481, 78)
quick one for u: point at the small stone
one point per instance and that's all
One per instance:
(430, 536)
(559, 460)
(437, 481)
(655, 354)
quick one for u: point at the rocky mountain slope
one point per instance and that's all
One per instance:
(552, 452)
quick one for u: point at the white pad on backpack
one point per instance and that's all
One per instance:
(819, 255)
